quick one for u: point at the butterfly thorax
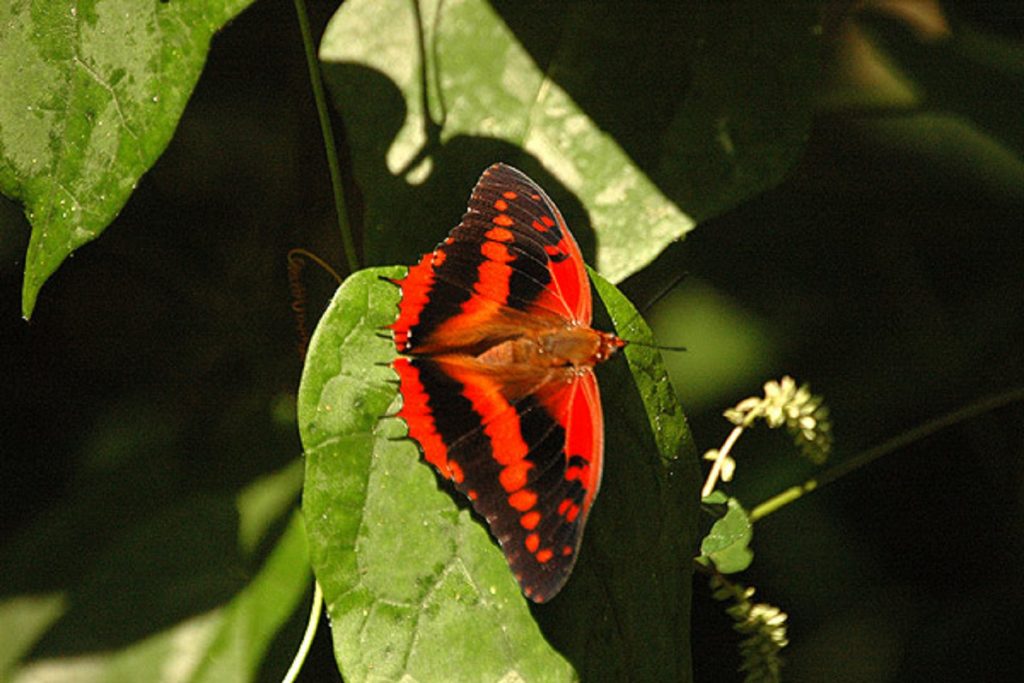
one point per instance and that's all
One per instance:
(563, 346)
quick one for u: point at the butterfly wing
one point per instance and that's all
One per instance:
(524, 443)
(511, 263)
(530, 465)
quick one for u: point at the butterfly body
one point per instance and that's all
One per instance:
(497, 374)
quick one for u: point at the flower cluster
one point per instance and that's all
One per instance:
(764, 627)
(801, 412)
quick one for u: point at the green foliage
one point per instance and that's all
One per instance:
(201, 620)
(92, 94)
(148, 563)
(727, 545)
(407, 572)
(100, 89)
(726, 548)
(632, 157)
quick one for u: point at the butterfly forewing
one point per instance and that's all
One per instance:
(512, 250)
(507, 198)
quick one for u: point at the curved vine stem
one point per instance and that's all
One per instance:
(894, 444)
(307, 638)
(716, 467)
(316, 81)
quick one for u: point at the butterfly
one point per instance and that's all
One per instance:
(496, 374)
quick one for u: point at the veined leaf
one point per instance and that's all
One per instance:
(90, 94)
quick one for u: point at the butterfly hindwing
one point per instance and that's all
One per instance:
(531, 466)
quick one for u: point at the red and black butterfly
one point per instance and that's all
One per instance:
(497, 376)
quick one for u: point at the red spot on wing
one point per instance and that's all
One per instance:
(569, 509)
(497, 255)
(573, 513)
(523, 500)
(499, 235)
(457, 475)
(514, 476)
(530, 520)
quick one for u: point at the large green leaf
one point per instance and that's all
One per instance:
(639, 118)
(414, 584)
(90, 94)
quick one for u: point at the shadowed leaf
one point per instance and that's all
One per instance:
(635, 117)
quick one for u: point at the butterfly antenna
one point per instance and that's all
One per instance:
(647, 345)
(660, 347)
(664, 291)
(297, 259)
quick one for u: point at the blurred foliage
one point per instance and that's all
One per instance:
(144, 400)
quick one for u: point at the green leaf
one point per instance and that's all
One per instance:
(415, 586)
(206, 609)
(635, 117)
(92, 92)
(727, 545)
(715, 498)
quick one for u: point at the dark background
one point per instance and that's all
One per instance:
(886, 271)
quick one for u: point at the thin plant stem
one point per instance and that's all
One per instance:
(307, 638)
(716, 467)
(316, 81)
(894, 444)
